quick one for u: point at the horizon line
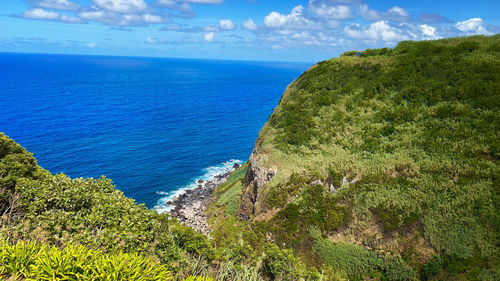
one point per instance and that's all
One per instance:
(155, 57)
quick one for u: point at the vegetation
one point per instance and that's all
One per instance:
(34, 261)
(355, 260)
(397, 270)
(432, 267)
(230, 192)
(386, 170)
(395, 150)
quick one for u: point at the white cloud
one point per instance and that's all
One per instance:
(249, 25)
(185, 40)
(69, 19)
(226, 24)
(150, 18)
(294, 20)
(380, 30)
(121, 6)
(324, 10)
(428, 32)
(95, 15)
(58, 5)
(40, 14)
(472, 26)
(115, 19)
(184, 8)
(395, 13)
(209, 37)
(90, 45)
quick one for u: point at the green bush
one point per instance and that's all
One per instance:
(34, 261)
(62, 211)
(431, 267)
(280, 264)
(355, 260)
(396, 269)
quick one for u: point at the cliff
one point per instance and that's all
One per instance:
(400, 147)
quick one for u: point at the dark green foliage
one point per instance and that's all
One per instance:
(279, 263)
(419, 124)
(296, 122)
(397, 270)
(192, 242)
(394, 217)
(15, 163)
(376, 52)
(418, 74)
(61, 211)
(432, 267)
(349, 53)
(472, 268)
(353, 259)
(321, 209)
(278, 196)
(316, 207)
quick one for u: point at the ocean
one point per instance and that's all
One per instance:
(153, 125)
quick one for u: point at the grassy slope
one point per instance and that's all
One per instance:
(415, 129)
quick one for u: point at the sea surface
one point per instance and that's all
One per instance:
(152, 125)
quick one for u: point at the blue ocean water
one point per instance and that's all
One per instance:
(152, 125)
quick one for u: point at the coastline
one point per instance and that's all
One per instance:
(190, 205)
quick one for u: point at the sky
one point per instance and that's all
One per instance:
(268, 30)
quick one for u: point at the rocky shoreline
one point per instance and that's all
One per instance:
(191, 206)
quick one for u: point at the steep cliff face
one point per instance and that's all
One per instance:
(256, 177)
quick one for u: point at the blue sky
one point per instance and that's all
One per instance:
(284, 30)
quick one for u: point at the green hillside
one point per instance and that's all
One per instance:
(377, 167)
(394, 153)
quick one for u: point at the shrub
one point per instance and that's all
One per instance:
(61, 211)
(355, 260)
(280, 264)
(34, 261)
(431, 267)
(396, 269)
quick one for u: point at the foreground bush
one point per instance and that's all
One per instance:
(35, 261)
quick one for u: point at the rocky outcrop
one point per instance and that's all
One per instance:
(256, 177)
(191, 206)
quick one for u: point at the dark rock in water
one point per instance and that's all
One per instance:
(200, 181)
(236, 166)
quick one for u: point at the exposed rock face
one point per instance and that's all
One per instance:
(256, 177)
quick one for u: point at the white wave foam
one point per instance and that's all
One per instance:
(209, 173)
